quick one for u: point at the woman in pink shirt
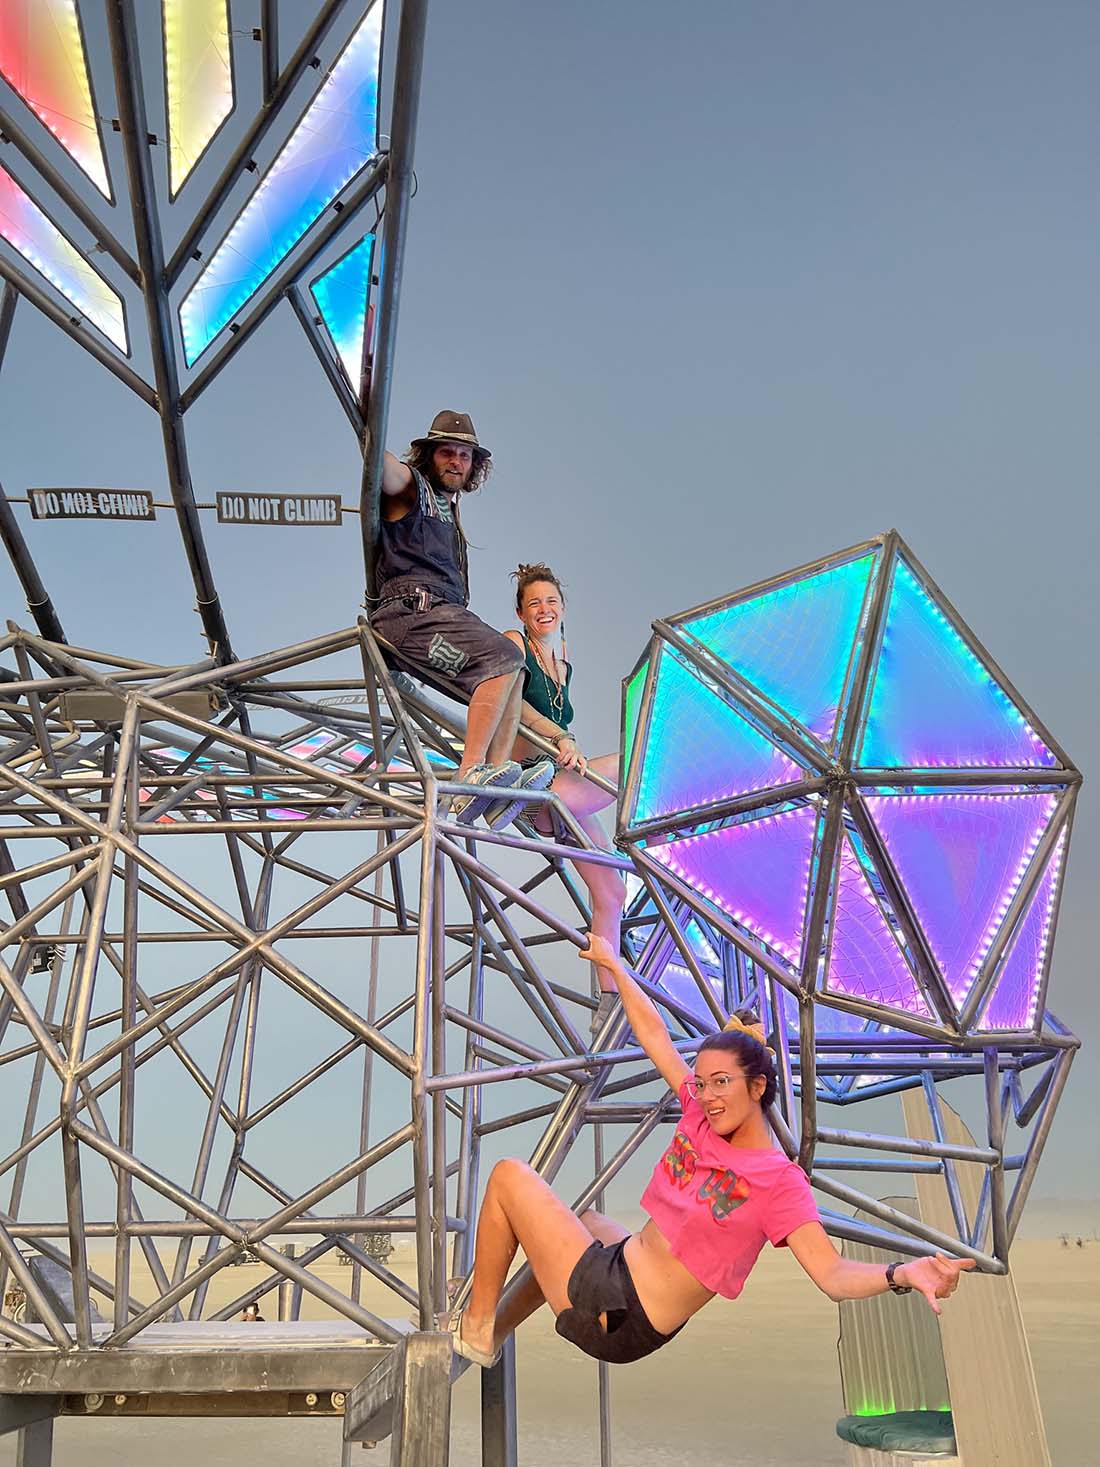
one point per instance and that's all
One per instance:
(719, 1192)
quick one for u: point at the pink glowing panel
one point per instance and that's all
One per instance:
(198, 80)
(757, 872)
(795, 643)
(38, 239)
(934, 702)
(1015, 999)
(865, 960)
(699, 750)
(961, 858)
(313, 745)
(42, 56)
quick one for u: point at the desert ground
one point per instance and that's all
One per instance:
(751, 1382)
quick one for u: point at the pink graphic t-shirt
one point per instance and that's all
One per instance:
(718, 1204)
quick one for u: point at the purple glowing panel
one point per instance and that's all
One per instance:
(334, 141)
(960, 858)
(678, 983)
(341, 295)
(700, 751)
(756, 872)
(1015, 999)
(865, 960)
(933, 702)
(795, 643)
(38, 240)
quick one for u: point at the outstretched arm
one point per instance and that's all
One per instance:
(642, 1012)
(936, 1277)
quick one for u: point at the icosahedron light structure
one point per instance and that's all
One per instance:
(830, 768)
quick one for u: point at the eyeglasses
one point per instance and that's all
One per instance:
(718, 1084)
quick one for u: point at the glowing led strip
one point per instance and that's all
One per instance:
(198, 80)
(38, 239)
(42, 56)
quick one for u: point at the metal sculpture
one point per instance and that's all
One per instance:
(200, 860)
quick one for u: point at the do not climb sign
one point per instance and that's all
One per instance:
(91, 504)
(279, 509)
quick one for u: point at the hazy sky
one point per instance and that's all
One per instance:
(725, 286)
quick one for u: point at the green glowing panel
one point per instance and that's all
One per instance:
(198, 80)
(795, 643)
(42, 56)
(631, 698)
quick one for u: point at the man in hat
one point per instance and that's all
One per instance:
(423, 612)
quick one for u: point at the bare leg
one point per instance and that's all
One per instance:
(520, 1211)
(500, 745)
(488, 706)
(530, 1297)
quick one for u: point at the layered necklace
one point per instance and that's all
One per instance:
(555, 691)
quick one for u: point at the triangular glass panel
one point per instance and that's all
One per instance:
(632, 698)
(865, 960)
(757, 872)
(198, 80)
(699, 750)
(336, 138)
(1015, 997)
(38, 239)
(43, 57)
(341, 295)
(960, 858)
(934, 703)
(795, 643)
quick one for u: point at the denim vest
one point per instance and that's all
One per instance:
(425, 548)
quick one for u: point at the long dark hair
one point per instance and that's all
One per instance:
(755, 1058)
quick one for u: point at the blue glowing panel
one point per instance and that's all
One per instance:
(678, 983)
(933, 702)
(335, 139)
(795, 643)
(960, 858)
(865, 960)
(700, 751)
(341, 295)
(38, 239)
(756, 872)
(1014, 1002)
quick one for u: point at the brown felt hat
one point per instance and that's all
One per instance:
(448, 427)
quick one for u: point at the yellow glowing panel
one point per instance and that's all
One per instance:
(42, 56)
(198, 77)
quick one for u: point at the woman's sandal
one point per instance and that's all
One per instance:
(468, 1352)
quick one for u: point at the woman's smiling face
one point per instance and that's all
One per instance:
(543, 609)
(727, 1096)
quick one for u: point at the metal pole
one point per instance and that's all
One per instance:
(150, 249)
(403, 117)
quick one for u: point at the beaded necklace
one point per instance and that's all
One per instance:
(555, 691)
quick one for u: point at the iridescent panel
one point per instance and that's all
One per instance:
(756, 872)
(1014, 1004)
(865, 959)
(678, 983)
(961, 858)
(341, 295)
(42, 56)
(38, 240)
(795, 643)
(632, 698)
(699, 750)
(198, 80)
(934, 702)
(336, 138)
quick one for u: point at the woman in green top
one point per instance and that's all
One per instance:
(540, 605)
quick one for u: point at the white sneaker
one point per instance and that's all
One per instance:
(537, 776)
(466, 808)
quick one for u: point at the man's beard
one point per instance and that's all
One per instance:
(445, 486)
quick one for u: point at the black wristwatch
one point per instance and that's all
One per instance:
(896, 1288)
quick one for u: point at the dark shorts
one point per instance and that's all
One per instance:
(601, 1284)
(447, 643)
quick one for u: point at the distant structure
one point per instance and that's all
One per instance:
(861, 831)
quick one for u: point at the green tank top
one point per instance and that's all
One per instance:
(537, 688)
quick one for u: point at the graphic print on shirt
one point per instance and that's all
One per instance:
(722, 1191)
(680, 1159)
